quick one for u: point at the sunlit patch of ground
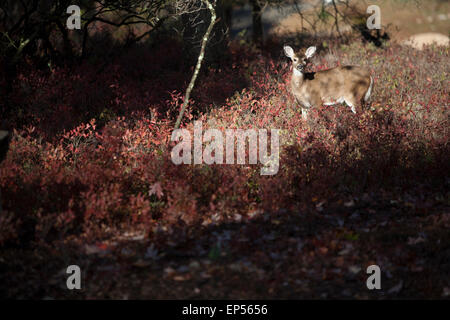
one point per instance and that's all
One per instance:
(402, 18)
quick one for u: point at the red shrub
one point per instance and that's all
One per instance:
(91, 151)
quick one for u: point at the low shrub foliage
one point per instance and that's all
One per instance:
(90, 153)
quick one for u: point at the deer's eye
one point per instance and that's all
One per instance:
(295, 59)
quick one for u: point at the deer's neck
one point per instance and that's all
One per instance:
(297, 78)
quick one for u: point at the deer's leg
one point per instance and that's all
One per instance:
(306, 106)
(351, 102)
(365, 99)
(364, 104)
(305, 113)
(368, 92)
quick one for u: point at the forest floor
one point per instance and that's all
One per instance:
(316, 253)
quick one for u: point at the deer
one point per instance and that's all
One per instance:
(350, 84)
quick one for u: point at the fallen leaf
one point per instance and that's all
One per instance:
(354, 269)
(397, 288)
(349, 204)
(142, 263)
(182, 278)
(157, 190)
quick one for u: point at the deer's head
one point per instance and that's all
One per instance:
(299, 62)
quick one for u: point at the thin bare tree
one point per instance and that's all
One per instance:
(184, 6)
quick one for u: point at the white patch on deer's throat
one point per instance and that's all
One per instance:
(297, 73)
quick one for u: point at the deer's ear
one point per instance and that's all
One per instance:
(288, 51)
(310, 52)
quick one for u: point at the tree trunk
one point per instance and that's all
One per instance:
(195, 26)
(4, 144)
(199, 61)
(257, 22)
